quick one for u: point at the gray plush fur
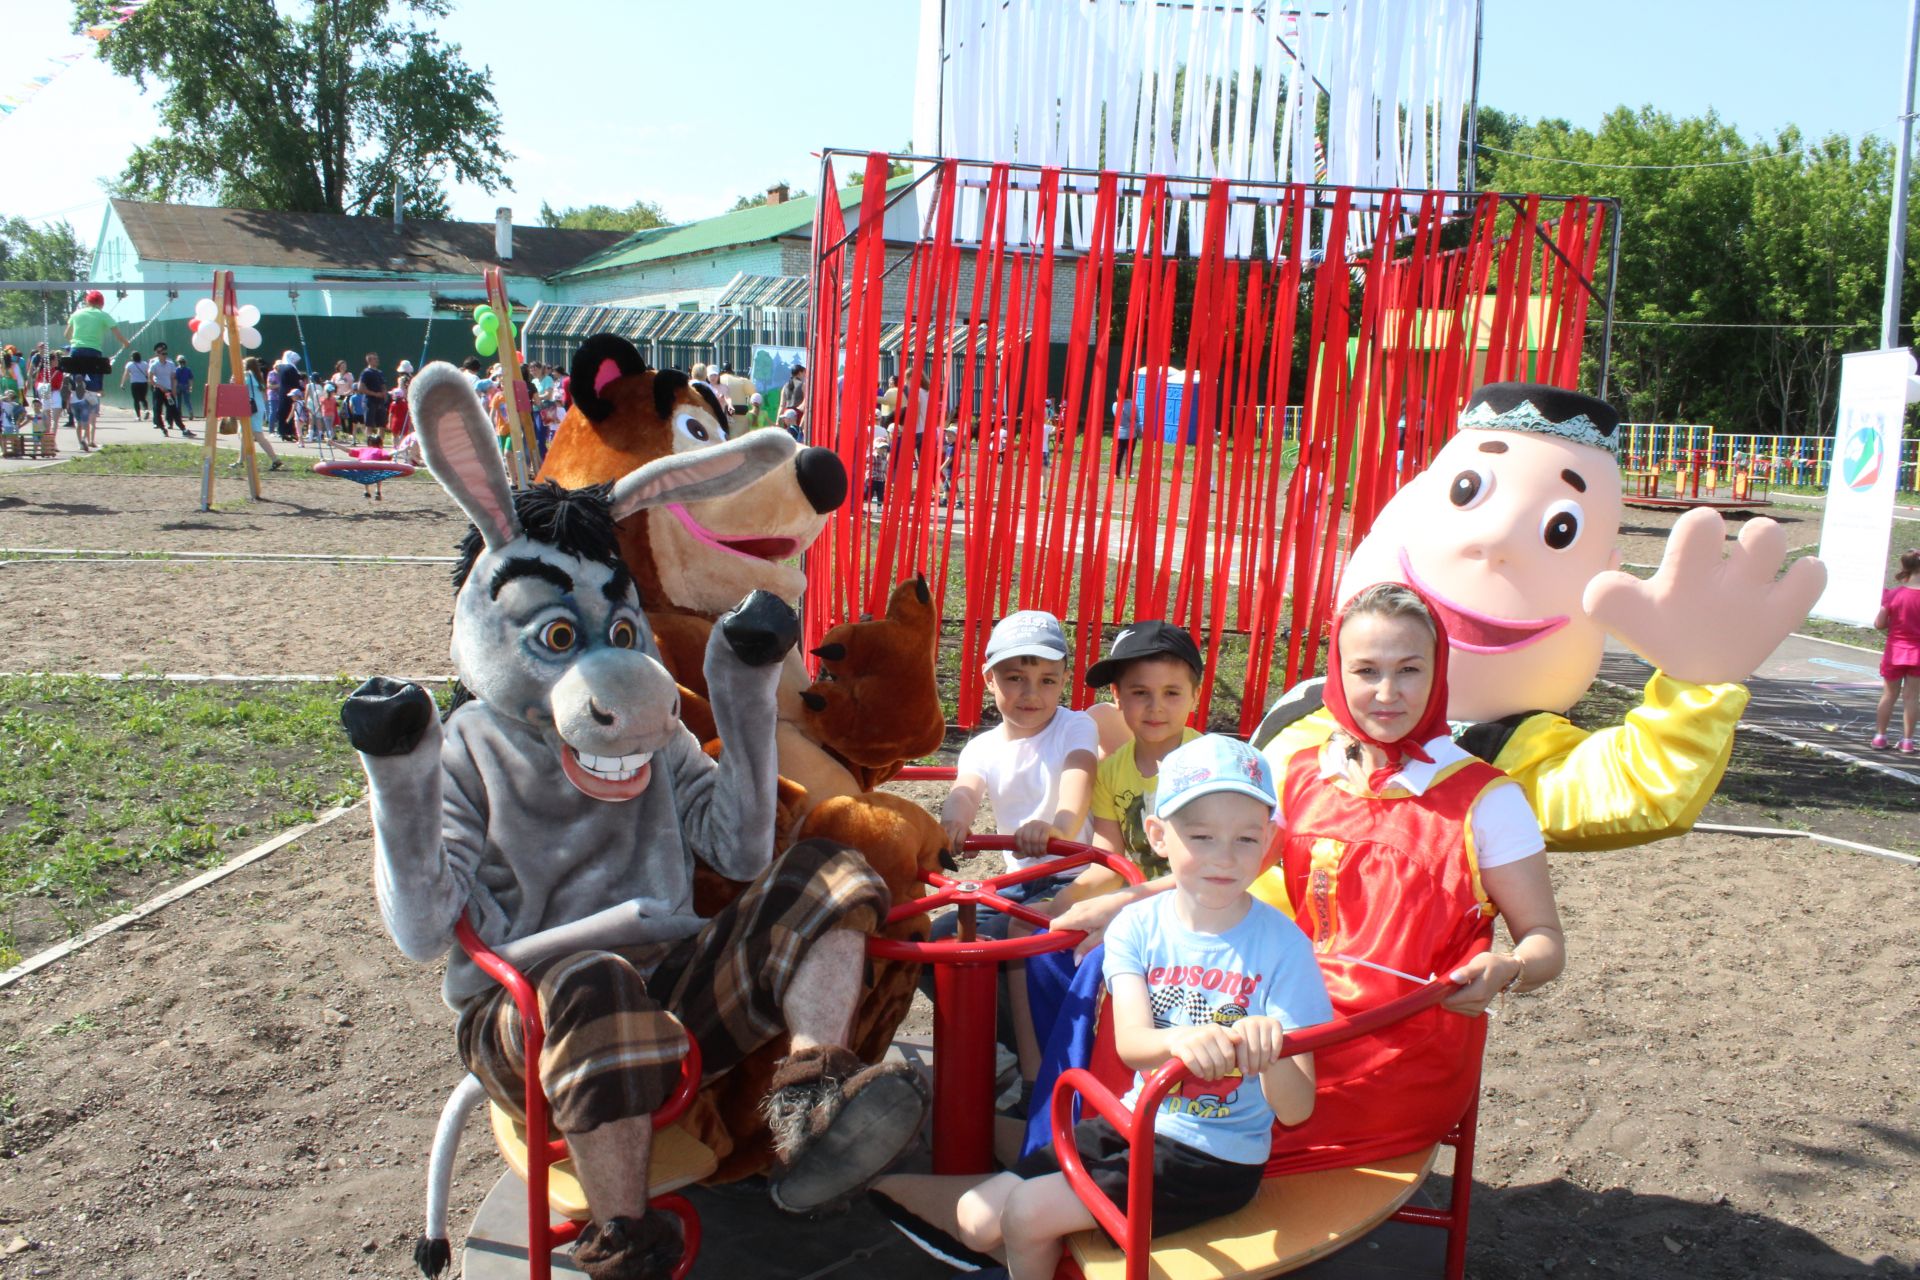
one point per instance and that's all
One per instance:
(480, 816)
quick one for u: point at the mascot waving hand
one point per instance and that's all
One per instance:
(560, 809)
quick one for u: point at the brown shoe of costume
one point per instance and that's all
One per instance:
(837, 1125)
(646, 1248)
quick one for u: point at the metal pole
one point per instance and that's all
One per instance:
(1613, 282)
(1897, 233)
(1473, 110)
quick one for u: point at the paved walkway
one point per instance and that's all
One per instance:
(1819, 693)
(119, 426)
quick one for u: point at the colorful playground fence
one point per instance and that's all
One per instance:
(1786, 460)
(1219, 531)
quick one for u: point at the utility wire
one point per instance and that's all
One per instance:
(1713, 324)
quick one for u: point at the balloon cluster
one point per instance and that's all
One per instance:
(205, 325)
(486, 330)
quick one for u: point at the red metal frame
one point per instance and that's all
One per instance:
(1133, 1229)
(543, 1235)
(966, 994)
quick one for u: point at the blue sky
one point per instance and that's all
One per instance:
(692, 105)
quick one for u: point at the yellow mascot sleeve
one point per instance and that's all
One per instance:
(1635, 782)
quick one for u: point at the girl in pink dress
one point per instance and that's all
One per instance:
(1900, 664)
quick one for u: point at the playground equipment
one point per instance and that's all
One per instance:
(222, 325)
(1294, 1219)
(367, 467)
(523, 461)
(1740, 483)
(513, 1234)
(965, 987)
(1408, 298)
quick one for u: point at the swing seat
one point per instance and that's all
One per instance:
(1293, 1220)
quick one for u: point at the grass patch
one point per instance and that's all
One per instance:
(181, 459)
(107, 787)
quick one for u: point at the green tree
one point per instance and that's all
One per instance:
(1747, 267)
(28, 252)
(317, 108)
(638, 216)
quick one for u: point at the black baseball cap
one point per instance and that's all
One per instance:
(1144, 640)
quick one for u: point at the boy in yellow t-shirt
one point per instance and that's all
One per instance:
(1154, 669)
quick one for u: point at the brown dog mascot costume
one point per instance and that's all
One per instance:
(874, 707)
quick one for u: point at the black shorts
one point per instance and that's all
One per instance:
(1189, 1186)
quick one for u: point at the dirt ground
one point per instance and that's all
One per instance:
(1643, 533)
(246, 1083)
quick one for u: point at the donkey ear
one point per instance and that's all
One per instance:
(461, 450)
(603, 359)
(701, 474)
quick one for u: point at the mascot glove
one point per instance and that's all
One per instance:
(760, 629)
(386, 717)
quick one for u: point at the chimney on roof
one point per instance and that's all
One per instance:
(778, 193)
(503, 233)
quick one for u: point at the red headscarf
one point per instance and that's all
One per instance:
(1433, 720)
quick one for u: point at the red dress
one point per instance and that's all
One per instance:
(1391, 878)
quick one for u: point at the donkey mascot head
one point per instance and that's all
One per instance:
(547, 628)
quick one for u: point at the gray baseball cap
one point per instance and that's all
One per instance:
(1032, 632)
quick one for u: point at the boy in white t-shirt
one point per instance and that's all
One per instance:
(1207, 974)
(1037, 764)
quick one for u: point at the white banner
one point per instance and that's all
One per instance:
(1859, 519)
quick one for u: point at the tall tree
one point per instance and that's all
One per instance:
(28, 252)
(638, 216)
(318, 109)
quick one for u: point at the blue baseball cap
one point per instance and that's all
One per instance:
(1210, 763)
(1028, 633)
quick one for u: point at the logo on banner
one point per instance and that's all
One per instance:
(1860, 455)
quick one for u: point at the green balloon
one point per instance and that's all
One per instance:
(482, 311)
(485, 345)
(490, 322)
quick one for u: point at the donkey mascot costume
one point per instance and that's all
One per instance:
(560, 807)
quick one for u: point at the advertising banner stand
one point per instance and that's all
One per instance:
(1875, 388)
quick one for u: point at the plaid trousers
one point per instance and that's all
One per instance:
(614, 1019)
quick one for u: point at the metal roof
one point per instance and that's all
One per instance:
(324, 242)
(764, 291)
(743, 226)
(551, 322)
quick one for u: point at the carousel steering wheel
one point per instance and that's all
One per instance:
(966, 987)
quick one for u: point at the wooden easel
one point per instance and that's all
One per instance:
(227, 401)
(522, 466)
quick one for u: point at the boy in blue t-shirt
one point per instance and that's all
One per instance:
(1206, 974)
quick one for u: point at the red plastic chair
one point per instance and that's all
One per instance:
(1335, 1207)
(544, 1235)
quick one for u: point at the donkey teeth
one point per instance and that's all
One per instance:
(614, 768)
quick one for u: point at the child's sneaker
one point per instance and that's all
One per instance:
(1906, 746)
(1879, 742)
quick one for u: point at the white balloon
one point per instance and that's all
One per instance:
(248, 315)
(206, 309)
(249, 336)
(203, 337)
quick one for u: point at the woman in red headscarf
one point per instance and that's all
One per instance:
(1398, 849)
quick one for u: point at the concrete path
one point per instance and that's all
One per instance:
(1818, 693)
